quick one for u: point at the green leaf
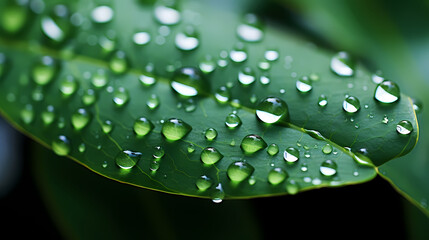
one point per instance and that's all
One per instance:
(102, 134)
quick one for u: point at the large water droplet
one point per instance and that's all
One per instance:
(175, 129)
(387, 92)
(102, 14)
(142, 126)
(246, 76)
(80, 119)
(304, 84)
(210, 134)
(252, 143)
(188, 39)
(291, 154)
(277, 176)
(251, 29)
(203, 183)
(118, 62)
(56, 26)
(210, 155)
(328, 168)
(121, 97)
(68, 85)
(167, 14)
(343, 64)
(404, 127)
(239, 171)
(45, 70)
(189, 82)
(61, 145)
(351, 104)
(127, 159)
(232, 121)
(207, 64)
(271, 110)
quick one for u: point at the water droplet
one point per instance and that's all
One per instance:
(80, 119)
(246, 76)
(82, 147)
(210, 134)
(27, 114)
(68, 85)
(127, 159)
(45, 70)
(189, 105)
(238, 54)
(328, 168)
(222, 94)
(158, 152)
(147, 79)
(292, 187)
(210, 155)
(102, 14)
(56, 26)
(323, 101)
(207, 65)
(107, 126)
(121, 97)
(273, 149)
(235, 103)
(271, 110)
(351, 104)
(99, 79)
(252, 180)
(188, 39)
(377, 78)
(385, 119)
(175, 129)
(218, 194)
(167, 14)
(251, 29)
(232, 121)
(304, 167)
(264, 80)
(239, 171)
(404, 127)
(387, 92)
(154, 165)
(203, 183)
(343, 64)
(118, 62)
(141, 38)
(277, 176)
(61, 145)
(291, 154)
(189, 82)
(271, 55)
(191, 148)
(48, 115)
(232, 143)
(89, 97)
(13, 17)
(417, 104)
(304, 84)
(327, 149)
(142, 126)
(264, 65)
(153, 102)
(252, 143)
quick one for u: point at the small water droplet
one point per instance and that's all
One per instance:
(232, 121)
(292, 187)
(189, 105)
(153, 102)
(271, 110)
(351, 104)
(252, 143)
(14, 16)
(127, 159)
(251, 29)
(147, 79)
(107, 126)
(48, 115)
(210, 134)
(291, 154)
(154, 165)
(61, 145)
(189, 82)
(271, 55)
(175, 129)
(273, 149)
(385, 119)
(142, 126)
(99, 79)
(82, 147)
(207, 64)
(264, 80)
(343, 64)
(304, 167)
(323, 101)
(404, 127)
(118, 62)
(102, 14)
(277, 176)
(238, 54)
(158, 152)
(327, 149)
(377, 78)
(328, 168)
(167, 14)
(141, 38)
(210, 155)
(121, 97)
(27, 114)
(188, 39)
(232, 143)
(387, 92)
(304, 84)
(246, 76)
(252, 180)
(238, 171)
(80, 119)
(203, 183)
(44, 70)
(68, 85)
(222, 94)
(191, 148)
(417, 105)
(218, 195)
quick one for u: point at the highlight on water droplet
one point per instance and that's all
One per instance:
(153, 101)
(251, 29)
(127, 159)
(277, 176)
(271, 110)
(61, 145)
(189, 82)
(291, 155)
(404, 127)
(239, 171)
(387, 92)
(56, 26)
(107, 126)
(246, 76)
(252, 143)
(222, 94)
(210, 155)
(48, 115)
(292, 186)
(175, 129)
(141, 38)
(323, 101)
(99, 79)
(304, 84)
(27, 114)
(142, 126)
(89, 97)
(271, 55)
(239, 53)
(351, 104)
(328, 168)
(343, 64)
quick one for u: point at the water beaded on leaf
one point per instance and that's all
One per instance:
(271, 110)
(239, 171)
(127, 159)
(210, 155)
(252, 143)
(387, 92)
(175, 129)
(189, 82)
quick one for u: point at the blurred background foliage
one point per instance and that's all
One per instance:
(391, 36)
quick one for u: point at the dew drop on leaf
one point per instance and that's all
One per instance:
(48, 115)
(264, 80)
(238, 171)
(99, 79)
(210, 134)
(323, 101)
(273, 149)
(387, 92)
(118, 62)
(328, 168)
(102, 14)
(167, 14)
(343, 64)
(191, 148)
(82, 147)
(153, 102)
(252, 143)
(56, 26)
(61, 145)
(89, 97)
(404, 127)
(271, 55)
(44, 70)
(121, 96)
(222, 94)
(210, 155)
(107, 126)
(154, 165)
(291, 154)
(175, 129)
(68, 85)
(277, 176)
(203, 183)
(251, 29)
(304, 84)
(80, 119)
(238, 54)
(13, 17)
(292, 186)
(351, 104)
(141, 38)
(189, 82)
(232, 121)
(147, 79)
(27, 114)
(327, 149)
(207, 64)
(127, 159)
(158, 152)
(417, 105)
(246, 76)
(271, 110)
(218, 194)
(142, 126)
(187, 40)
